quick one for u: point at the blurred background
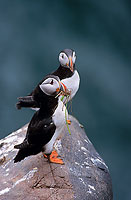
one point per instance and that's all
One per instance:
(32, 33)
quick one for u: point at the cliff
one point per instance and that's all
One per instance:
(84, 176)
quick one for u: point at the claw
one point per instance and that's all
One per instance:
(68, 122)
(45, 156)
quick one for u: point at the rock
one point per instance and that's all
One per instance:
(84, 176)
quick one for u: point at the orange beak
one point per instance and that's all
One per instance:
(62, 90)
(71, 63)
(62, 87)
(58, 89)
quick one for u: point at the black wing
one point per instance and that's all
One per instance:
(36, 96)
(39, 133)
(31, 101)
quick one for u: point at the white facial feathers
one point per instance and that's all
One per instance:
(49, 86)
(64, 58)
(74, 57)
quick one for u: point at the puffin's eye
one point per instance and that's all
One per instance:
(62, 56)
(51, 82)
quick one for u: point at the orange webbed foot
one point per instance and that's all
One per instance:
(53, 158)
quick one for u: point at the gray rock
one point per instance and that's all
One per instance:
(84, 176)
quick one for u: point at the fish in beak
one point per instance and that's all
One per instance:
(62, 90)
(70, 64)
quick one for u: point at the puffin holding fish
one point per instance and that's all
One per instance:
(66, 72)
(47, 123)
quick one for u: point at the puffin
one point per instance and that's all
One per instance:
(67, 74)
(47, 123)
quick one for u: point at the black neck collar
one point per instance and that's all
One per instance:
(63, 72)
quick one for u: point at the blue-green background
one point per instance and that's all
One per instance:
(33, 32)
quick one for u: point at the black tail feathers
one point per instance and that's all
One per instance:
(26, 150)
(20, 156)
(26, 101)
(23, 152)
(23, 145)
(25, 98)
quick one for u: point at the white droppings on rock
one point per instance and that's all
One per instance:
(31, 173)
(8, 148)
(6, 174)
(89, 191)
(28, 176)
(6, 164)
(19, 181)
(81, 180)
(10, 139)
(91, 187)
(85, 140)
(5, 154)
(20, 130)
(4, 191)
(77, 163)
(2, 157)
(9, 143)
(96, 161)
(25, 128)
(83, 149)
(71, 169)
(86, 163)
(12, 134)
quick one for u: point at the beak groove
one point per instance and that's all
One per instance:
(71, 63)
(62, 90)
